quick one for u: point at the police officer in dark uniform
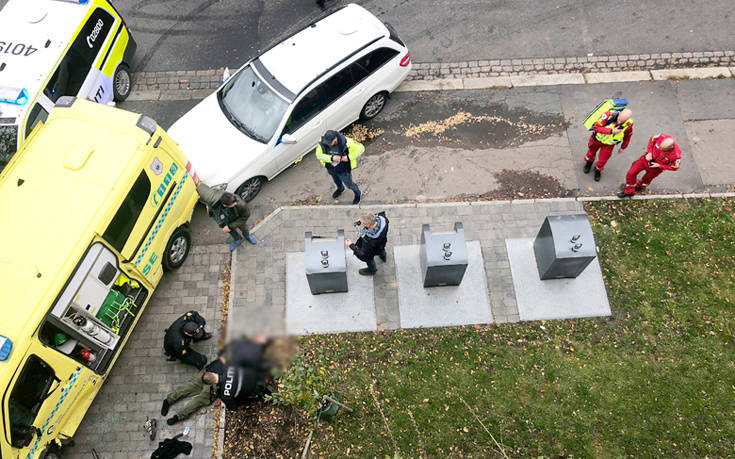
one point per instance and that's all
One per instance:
(187, 328)
(242, 372)
(241, 385)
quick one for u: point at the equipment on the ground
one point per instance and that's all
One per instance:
(615, 105)
(151, 426)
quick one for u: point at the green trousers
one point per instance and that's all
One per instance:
(195, 387)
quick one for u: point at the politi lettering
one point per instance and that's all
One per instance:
(228, 381)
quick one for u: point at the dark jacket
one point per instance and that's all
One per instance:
(234, 217)
(368, 247)
(243, 353)
(240, 385)
(339, 149)
(171, 448)
(175, 342)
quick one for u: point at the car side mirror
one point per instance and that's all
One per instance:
(288, 139)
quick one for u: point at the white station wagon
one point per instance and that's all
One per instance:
(275, 108)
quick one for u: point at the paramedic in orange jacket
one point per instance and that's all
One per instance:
(662, 154)
(611, 129)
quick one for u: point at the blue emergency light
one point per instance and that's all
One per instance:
(14, 96)
(5, 347)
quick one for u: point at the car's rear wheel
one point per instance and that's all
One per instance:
(251, 188)
(122, 83)
(177, 249)
(373, 106)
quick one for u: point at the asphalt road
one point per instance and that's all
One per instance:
(203, 34)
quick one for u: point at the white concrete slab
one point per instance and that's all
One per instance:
(691, 73)
(349, 311)
(441, 306)
(501, 82)
(584, 296)
(547, 80)
(439, 84)
(617, 77)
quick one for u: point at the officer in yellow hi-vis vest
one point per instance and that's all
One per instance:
(611, 129)
(338, 154)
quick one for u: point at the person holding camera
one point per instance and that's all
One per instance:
(372, 240)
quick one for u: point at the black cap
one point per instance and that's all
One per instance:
(329, 136)
(193, 329)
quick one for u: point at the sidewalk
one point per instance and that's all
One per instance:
(258, 286)
(142, 377)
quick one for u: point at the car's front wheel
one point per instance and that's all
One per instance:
(177, 249)
(122, 83)
(250, 188)
(373, 106)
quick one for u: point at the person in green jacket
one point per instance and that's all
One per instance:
(229, 211)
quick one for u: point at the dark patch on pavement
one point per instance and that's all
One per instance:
(429, 120)
(520, 185)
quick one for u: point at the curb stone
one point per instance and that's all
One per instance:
(195, 84)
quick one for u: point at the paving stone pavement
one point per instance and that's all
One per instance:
(197, 84)
(258, 298)
(142, 377)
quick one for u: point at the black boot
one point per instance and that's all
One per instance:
(172, 420)
(598, 174)
(624, 195)
(164, 407)
(588, 166)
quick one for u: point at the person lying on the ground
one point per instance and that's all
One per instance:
(203, 388)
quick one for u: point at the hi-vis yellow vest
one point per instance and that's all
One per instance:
(613, 139)
(354, 149)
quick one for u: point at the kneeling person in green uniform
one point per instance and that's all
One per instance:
(229, 211)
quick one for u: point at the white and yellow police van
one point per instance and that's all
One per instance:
(96, 205)
(55, 48)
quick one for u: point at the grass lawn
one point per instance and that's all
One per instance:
(656, 379)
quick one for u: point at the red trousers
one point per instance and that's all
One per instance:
(631, 178)
(605, 152)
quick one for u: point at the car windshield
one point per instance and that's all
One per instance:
(251, 105)
(8, 143)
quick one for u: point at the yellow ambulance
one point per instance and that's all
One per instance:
(55, 48)
(95, 205)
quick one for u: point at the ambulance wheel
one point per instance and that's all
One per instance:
(373, 106)
(250, 188)
(177, 249)
(122, 83)
(51, 453)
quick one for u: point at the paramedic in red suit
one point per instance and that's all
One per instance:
(611, 129)
(662, 154)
